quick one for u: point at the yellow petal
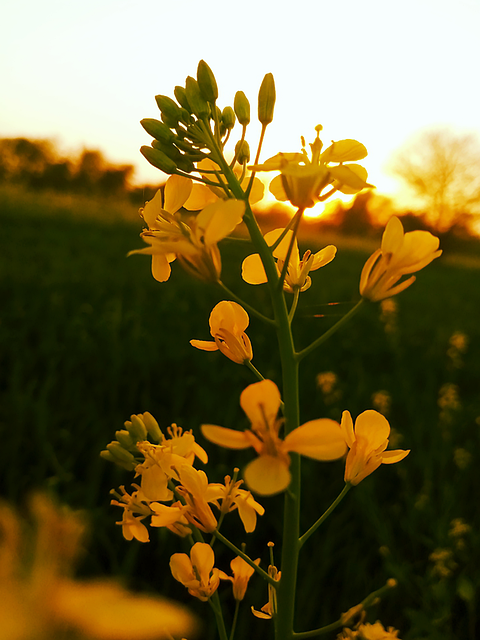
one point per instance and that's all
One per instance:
(203, 559)
(219, 219)
(152, 209)
(323, 257)
(373, 427)
(344, 151)
(161, 266)
(267, 475)
(393, 235)
(350, 178)
(347, 428)
(199, 197)
(177, 190)
(230, 316)
(204, 345)
(277, 190)
(253, 270)
(261, 402)
(224, 437)
(389, 457)
(319, 439)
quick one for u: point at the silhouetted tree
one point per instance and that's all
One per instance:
(443, 169)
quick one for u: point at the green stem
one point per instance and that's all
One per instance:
(322, 518)
(293, 308)
(217, 610)
(296, 222)
(244, 556)
(249, 364)
(245, 305)
(235, 617)
(316, 343)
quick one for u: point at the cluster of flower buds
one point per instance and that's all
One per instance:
(184, 135)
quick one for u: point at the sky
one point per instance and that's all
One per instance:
(379, 71)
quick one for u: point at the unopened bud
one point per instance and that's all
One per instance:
(169, 109)
(181, 96)
(228, 118)
(136, 428)
(266, 99)
(197, 102)
(124, 438)
(206, 82)
(152, 427)
(242, 151)
(118, 452)
(157, 129)
(158, 159)
(106, 455)
(242, 108)
(172, 152)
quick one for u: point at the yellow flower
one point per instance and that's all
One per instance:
(197, 572)
(297, 276)
(228, 497)
(242, 572)
(195, 244)
(302, 180)
(401, 253)
(194, 490)
(40, 599)
(136, 503)
(376, 631)
(367, 443)
(269, 473)
(172, 517)
(228, 322)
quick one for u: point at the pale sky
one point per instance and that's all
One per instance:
(85, 73)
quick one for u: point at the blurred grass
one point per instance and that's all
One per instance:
(87, 338)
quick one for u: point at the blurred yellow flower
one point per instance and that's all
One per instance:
(197, 572)
(228, 321)
(193, 244)
(302, 180)
(39, 599)
(401, 253)
(369, 631)
(269, 473)
(367, 443)
(297, 276)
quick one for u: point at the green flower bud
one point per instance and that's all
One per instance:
(158, 159)
(242, 151)
(266, 99)
(197, 102)
(136, 428)
(152, 427)
(119, 453)
(206, 82)
(242, 108)
(124, 439)
(157, 129)
(169, 109)
(106, 455)
(171, 151)
(228, 118)
(181, 97)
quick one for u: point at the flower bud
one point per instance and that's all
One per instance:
(106, 455)
(171, 151)
(119, 453)
(242, 151)
(136, 428)
(206, 82)
(169, 109)
(197, 102)
(157, 129)
(228, 118)
(152, 427)
(266, 99)
(124, 439)
(158, 159)
(242, 108)
(181, 96)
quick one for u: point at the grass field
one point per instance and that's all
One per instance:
(87, 338)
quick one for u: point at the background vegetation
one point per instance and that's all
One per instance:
(87, 338)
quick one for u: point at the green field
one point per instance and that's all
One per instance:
(87, 338)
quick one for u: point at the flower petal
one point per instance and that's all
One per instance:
(177, 190)
(261, 402)
(219, 219)
(389, 457)
(199, 197)
(253, 270)
(347, 428)
(320, 439)
(203, 560)
(373, 427)
(323, 257)
(204, 345)
(230, 316)
(267, 475)
(224, 437)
